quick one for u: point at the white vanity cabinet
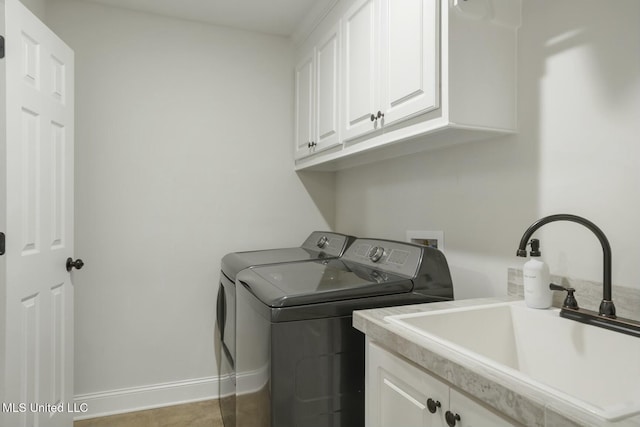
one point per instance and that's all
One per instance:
(317, 96)
(400, 394)
(410, 75)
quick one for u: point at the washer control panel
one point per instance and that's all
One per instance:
(332, 244)
(386, 255)
(322, 242)
(376, 253)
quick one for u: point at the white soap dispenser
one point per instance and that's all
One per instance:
(536, 279)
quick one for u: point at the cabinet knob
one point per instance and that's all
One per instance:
(433, 405)
(451, 418)
(380, 115)
(373, 117)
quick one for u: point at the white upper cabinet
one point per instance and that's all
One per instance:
(391, 63)
(391, 78)
(360, 71)
(327, 89)
(409, 58)
(304, 104)
(317, 96)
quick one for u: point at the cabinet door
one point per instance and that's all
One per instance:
(397, 393)
(304, 90)
(327, 89)
(360, 61)
(410, 58)
(472, 414)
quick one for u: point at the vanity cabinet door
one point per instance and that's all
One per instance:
(472, 414)
(400, 394)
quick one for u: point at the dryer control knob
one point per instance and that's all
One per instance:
(376, 253)
(322, 242)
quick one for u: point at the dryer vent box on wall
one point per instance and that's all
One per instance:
(435, 239)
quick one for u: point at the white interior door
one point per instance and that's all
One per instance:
(38, 148)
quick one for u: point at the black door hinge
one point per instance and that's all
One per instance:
(1, 243)
(1, 47)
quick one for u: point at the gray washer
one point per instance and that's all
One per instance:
(319, 245)
(300, 362)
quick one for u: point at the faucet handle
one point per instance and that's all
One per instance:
(570, 301)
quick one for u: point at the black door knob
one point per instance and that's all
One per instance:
(78, 264)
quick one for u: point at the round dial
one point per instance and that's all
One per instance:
(322, 242)
(376, 253)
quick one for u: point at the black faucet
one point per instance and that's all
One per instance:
(606, 316)
(607, 308)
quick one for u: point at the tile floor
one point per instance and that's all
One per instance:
(198, 414)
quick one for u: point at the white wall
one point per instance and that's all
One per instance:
(183, 153)
(37, 7)
(577, 151)
(184, 135)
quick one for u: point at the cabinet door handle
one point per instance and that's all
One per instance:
(451, 418)
(433, 405)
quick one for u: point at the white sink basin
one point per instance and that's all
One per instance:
(590, 368)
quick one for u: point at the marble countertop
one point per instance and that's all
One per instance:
(516, 399)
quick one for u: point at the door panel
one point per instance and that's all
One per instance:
(410, 58)
(397, 392)
(360, 68)
(327, 71)
(472, 414)
(304, 106)
(38, 337)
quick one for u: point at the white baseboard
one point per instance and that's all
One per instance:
(147, 397)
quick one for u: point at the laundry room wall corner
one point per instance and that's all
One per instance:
(37, 7)
(321, 186)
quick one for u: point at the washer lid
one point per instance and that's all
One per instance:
(235, 262)
(319, 245)
(293, 284)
